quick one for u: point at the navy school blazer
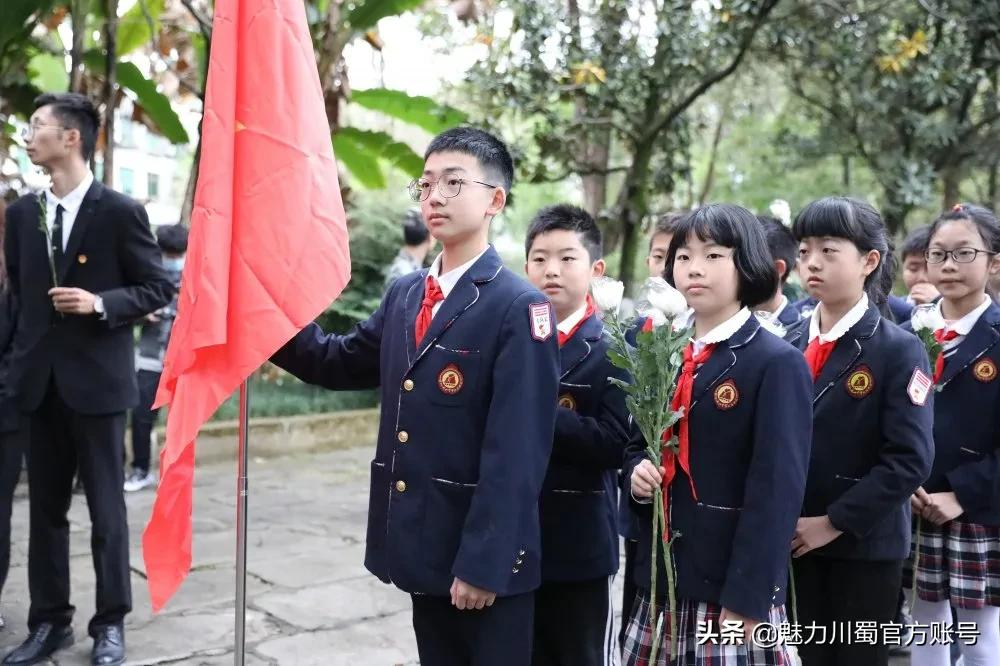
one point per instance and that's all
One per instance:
(465, 430)
(967, 423)
(750, 428)
(578, 506)
(872, 444)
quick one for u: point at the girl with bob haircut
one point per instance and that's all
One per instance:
(871, 435)
(743, 452)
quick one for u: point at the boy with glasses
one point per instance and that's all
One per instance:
(467, 359)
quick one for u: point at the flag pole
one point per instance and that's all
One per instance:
(239, 651)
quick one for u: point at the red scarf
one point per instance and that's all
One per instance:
(588, 313)
(941, 336)
(817, 354)
(682, 399)
(432, 296)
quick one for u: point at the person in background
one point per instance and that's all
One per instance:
(153, 337)
(784, 253)
(82, 266)
(919, 289)
(12, 436)
(417, 242)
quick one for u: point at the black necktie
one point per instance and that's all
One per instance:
(57, 237)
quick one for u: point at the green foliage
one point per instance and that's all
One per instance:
(364, 151)
(908, 87)
(364, 14)
(375, 227)
(423, 112)
(138, 26)
(287, 396)
(48, 72)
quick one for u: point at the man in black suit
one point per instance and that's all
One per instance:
(83, 267)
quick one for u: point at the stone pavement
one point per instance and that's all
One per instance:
(310, 599)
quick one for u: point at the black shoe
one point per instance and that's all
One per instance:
(109, 647)
(40, 644)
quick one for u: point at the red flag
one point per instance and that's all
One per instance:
(268, 248)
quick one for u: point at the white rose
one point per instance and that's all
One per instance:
(36, 180)
(926, 316)
(781, 210)
(665, 298)
(607, 293)
(658, 318)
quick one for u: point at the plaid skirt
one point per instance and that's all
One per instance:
(959, 562)
(700, 642)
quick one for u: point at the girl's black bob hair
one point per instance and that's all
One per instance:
(858, 222)
(735, 227)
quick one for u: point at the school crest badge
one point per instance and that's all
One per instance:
(541, 321)
(450, 380)
(566, 400)
(860, 382)
(726, 395)
(985, 370)
(919, 387)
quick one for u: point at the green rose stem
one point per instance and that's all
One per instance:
(43, 226)
(653, 367)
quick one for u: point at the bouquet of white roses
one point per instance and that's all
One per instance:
(653, 365)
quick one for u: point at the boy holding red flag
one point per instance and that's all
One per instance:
(466, 356)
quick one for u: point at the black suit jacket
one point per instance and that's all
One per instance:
(110, 252)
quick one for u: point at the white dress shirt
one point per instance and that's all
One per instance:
(71, 206)
(448, 281)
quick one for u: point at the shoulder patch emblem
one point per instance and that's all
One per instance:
(450, 379)
(985, 370)
(860, 382)
(919, 387)
(541, 321)
(726, 395)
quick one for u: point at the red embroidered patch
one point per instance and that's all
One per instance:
(726, 395)
(450, 379)
(985, 370)
(860, 382)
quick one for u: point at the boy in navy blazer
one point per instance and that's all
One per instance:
(784, 253)
(466, 356)
(578, 506)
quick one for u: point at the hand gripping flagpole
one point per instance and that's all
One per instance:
(239, 650)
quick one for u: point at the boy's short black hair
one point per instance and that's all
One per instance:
(491, 153)
(735, 227)
(665, 225)
(415, 231)
(569, 218)
(74, 111)
(781, 243)
(916, 242)
(172, 238)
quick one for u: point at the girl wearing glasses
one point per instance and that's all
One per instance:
(871, 434)
(958, 563)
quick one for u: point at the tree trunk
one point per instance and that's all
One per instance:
(78, 16)
(993, 192)
(110, 83)
(845, 172)
(192, 183)
(706, 188)
(894, 212)
(632, 207)
(951, 178)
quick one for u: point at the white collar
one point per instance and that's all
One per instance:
(567, 324)
(723, 331)
(74, 199)
(781, 308)
(964, 325)
(845, 324)
(448, 281)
